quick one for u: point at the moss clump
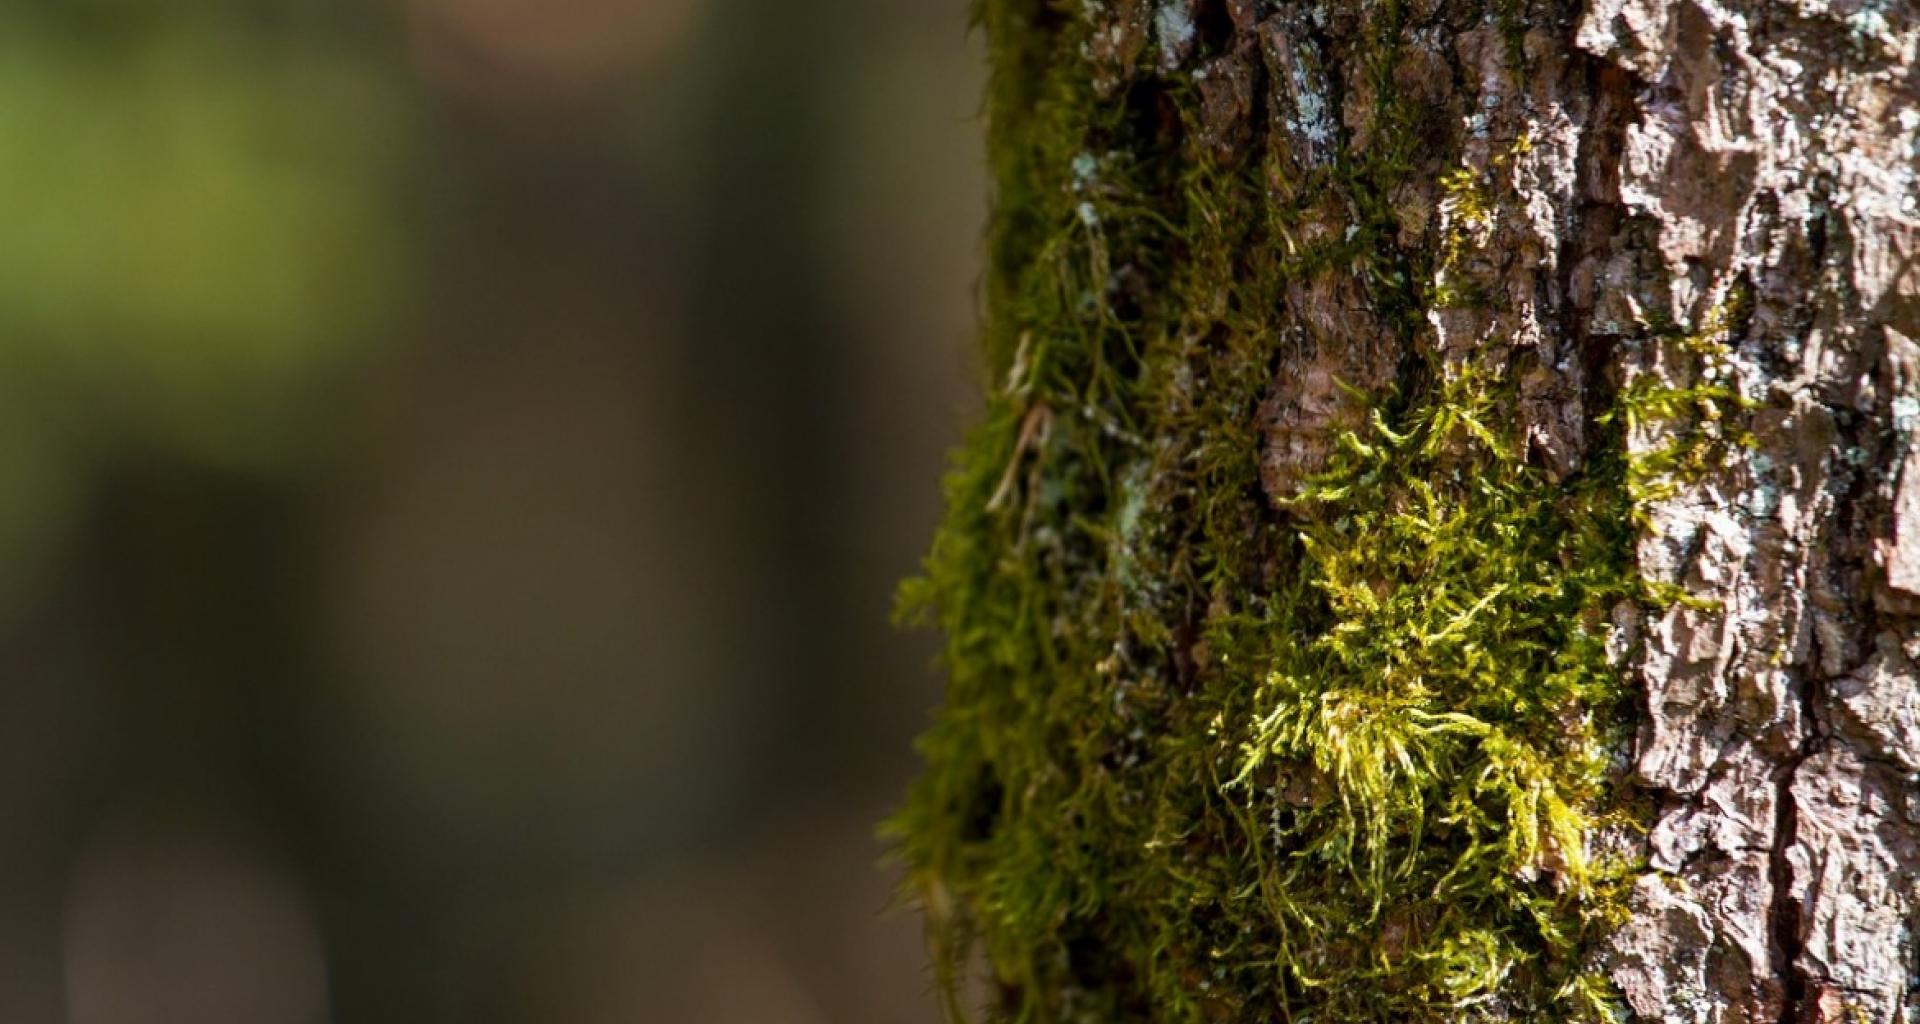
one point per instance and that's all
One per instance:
(1436, 723)
(1210, 757)
(1373, 800)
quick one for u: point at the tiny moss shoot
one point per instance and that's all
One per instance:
(1205, 755)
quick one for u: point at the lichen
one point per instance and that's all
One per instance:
(1206, 756)
(1174, 26)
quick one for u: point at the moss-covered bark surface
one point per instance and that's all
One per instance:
(1255, 713)
(1288, 584)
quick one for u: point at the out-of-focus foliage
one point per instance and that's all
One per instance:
(454, 459)
(199, 231)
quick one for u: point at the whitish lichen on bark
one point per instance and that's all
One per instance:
(1395, 405)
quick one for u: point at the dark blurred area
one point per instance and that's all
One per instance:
(455, 460)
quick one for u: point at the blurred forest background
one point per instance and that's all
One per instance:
(455, 460)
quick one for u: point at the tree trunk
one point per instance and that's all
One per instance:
(1445, 539)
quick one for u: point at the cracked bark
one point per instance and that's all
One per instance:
(1772, 147)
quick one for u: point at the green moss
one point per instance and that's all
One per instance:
(1691, 405)
(1437, 721)
(1207, 758)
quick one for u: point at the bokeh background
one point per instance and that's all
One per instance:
(455, 460)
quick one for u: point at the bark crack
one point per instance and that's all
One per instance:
(1786, 917)
(1597, 214)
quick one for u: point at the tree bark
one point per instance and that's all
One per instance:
(1663, 260)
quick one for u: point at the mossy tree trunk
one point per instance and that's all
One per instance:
(1445, 539)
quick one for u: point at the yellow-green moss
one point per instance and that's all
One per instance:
(1202, 758)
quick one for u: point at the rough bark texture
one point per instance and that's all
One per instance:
(1684, 239)
(1771, 147)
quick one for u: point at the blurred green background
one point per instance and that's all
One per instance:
(455, 459)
